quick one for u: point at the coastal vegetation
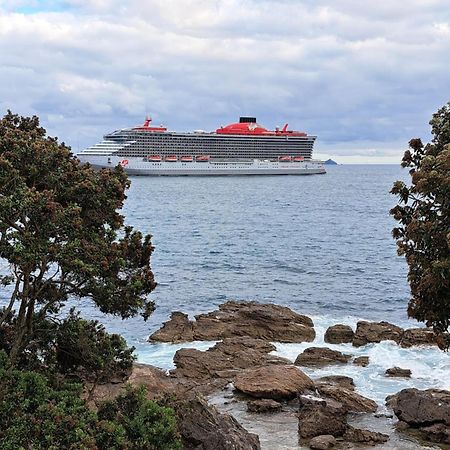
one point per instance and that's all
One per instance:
(64, 240)
(423, 234)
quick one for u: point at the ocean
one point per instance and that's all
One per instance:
(319, 244)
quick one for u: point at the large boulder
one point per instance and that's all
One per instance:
(339, 334)
(278, 382)
(351, 401)
(368, 332)
(258, 320)
(320, 356)
(225, 359)
(202, 427)
(317, 419)
(421, 408)
(417, 336)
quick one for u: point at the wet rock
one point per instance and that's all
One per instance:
(225, 359)
(263, 406)
(421, 408)
(337, 380)
(322, 442)
(319, 356)
(350, 400)
(417, 336)
(367, 332)
(362, 361)
(202, 427)
(318, 419)
(258, 320)
(339, 334)
(428, 411)
(365, 437)
(398, 372)
(277, 382)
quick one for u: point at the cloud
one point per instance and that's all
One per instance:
(360, 75)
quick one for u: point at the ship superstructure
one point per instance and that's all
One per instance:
(240, 147)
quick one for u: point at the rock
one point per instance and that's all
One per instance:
(421, 408)
(319, 356)
(437, 432)
(417, 336)
(177, 329)
(225, 359)
(257, 320)
(263, 406)
(367, 332)
(322, 442)
(337, 380)
(339, 334)
(318, 419)
(398, 372)
(364, 436)
(277, 382)
(350, 400)
(361, 361)
(202, 427)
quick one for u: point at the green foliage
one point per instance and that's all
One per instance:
(83, 347)
(423, 213)
(143, 421)
(61, 232)
(38, 414)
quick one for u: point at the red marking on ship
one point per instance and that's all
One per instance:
(187, 159)
(171, 158)
(284, 159)
(154, 158)
(202, 158)
(146, 126)
(256, 130)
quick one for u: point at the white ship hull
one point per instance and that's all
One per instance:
(140, 166)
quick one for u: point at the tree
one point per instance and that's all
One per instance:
(62, 234)
(423, 213)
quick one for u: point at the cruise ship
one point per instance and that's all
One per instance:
(242, 148)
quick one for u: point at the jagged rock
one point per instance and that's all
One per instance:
(322, 442)
(398, 372)
(257, 320)
(178, 329)
(364, 436)
(202, 427)
(337, 380)
(350, 400)
(277, 382)
(421, 408)
(319, 356)
(361, 361)
(318, 419)
(417, 336)
(225, 359)
(263, 406)
(367, 332)
(339, 334)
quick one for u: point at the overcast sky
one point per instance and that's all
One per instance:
(364, 76)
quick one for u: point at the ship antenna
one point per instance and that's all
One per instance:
(148, 119)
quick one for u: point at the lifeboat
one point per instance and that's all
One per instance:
(171, 158)
(154, 158)
(202, 158)
(284, 159)
(187, 158)
(298, 159)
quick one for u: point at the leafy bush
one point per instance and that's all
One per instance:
(38, 413)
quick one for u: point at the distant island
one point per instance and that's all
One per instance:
(330, 162)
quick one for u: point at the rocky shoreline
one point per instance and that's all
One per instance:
(240, 373)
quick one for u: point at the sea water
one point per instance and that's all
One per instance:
(318, 244)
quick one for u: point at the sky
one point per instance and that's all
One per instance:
(364, 76)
